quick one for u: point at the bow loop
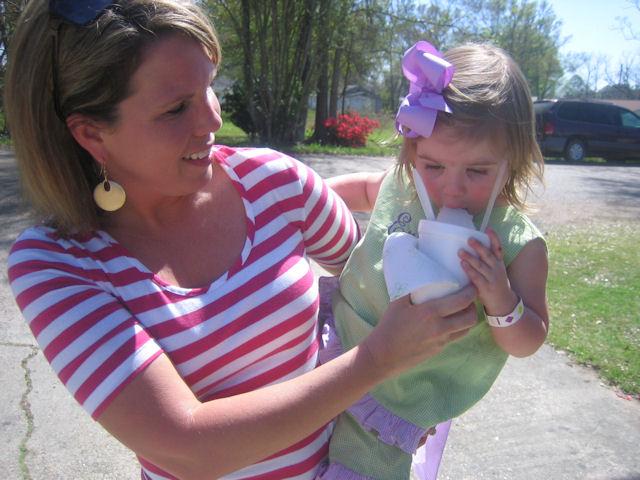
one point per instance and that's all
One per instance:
(428, 74)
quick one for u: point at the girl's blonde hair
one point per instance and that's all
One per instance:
(94, 68)
(489, 98)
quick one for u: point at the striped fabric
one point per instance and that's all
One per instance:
(100, 316)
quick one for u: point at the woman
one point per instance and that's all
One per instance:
(175, 301)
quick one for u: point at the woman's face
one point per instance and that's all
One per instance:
(458, 172)
(161, 143)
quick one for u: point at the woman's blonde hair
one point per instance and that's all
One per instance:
(489, 98)
(94, 68)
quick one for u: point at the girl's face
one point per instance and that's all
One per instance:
(458, 172)
(161, 144)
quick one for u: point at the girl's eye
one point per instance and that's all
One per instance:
(429, 166)
(477, 171)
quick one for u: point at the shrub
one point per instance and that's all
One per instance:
(235, 105)
(349, 129)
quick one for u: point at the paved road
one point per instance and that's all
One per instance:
(571, 194)
(544, 418)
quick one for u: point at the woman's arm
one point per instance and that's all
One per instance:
(358, 190)
(158, 417)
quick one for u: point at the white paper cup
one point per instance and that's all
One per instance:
(442, 242)
(409, 271)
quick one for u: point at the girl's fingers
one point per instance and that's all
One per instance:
(475, 264)
(483, 252)
(475, 273)
(496, 246)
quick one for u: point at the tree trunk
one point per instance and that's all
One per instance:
(322, 90)
(335, 82)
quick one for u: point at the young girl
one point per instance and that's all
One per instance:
(466, 133)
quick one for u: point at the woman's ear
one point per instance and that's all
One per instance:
(88, 133)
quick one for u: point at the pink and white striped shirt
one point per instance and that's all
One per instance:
(101, 317)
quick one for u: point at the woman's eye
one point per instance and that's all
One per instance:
(179, 109)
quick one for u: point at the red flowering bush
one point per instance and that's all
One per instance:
(349, 129)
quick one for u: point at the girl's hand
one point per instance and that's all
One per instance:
(489, 275)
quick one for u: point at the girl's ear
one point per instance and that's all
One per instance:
(88, 133)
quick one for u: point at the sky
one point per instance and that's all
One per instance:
(593, 27)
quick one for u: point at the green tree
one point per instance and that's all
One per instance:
(275, 39)
(9, 13)
(529, 30)
(347, 42)
(405, 23)
(574, 87)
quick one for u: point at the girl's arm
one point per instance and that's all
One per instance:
(158, 417)
(499, 289)
(358, 190)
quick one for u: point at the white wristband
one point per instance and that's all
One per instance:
(509, 319)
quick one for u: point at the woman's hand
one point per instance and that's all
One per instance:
(407, 334)
(489, 275)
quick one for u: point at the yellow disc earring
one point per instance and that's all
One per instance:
(109, 195)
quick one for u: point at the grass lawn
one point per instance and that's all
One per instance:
(594, 299)
(382, 142)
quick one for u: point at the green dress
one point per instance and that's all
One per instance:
(440, 388)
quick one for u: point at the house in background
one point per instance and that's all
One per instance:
(633, 105)
(356, 99)
(221, 86)
(360, 99)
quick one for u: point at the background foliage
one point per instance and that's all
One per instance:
(282, 53)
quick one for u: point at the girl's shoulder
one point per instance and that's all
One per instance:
(515, 230)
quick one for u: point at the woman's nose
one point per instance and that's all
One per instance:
(209, 118)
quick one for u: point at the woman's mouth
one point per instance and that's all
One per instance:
(200, 158)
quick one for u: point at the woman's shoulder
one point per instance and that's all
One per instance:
(249, 156)
(252, 165)
(42, 243)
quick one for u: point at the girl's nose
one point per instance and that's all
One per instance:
(454, 185)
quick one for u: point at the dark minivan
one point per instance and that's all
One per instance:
(576, 129)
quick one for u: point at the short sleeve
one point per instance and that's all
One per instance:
(515, 230)
(329, 229)
(92, 342)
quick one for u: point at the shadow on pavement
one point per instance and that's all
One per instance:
(14, 213)
(610, 163)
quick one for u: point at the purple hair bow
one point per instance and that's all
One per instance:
(428, 74)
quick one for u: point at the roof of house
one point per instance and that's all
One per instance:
(633, 105)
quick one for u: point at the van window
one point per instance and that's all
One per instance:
(630, 119)
(600, 114)
(571, 111)
(542, 106)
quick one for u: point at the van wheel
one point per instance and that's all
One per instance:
(575, 150)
